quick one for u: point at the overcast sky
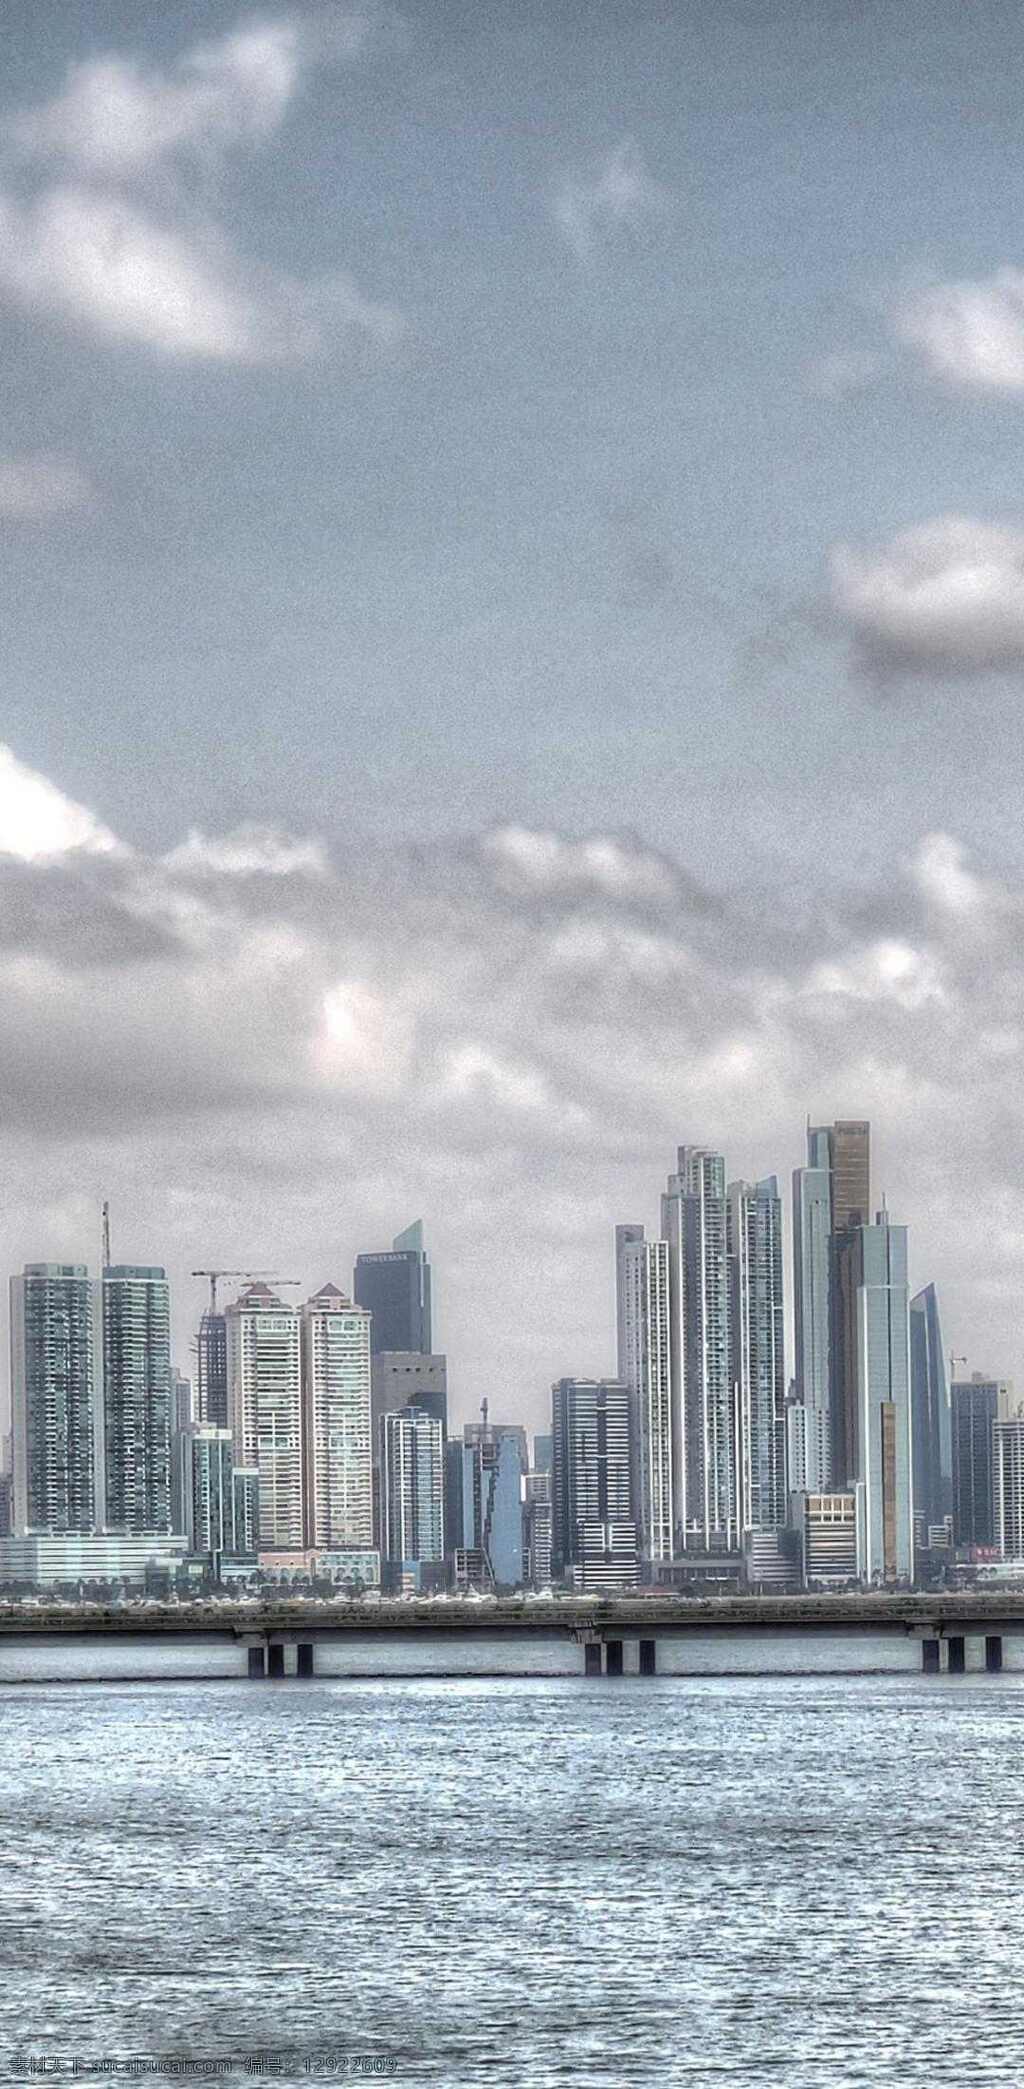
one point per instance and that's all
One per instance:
(512, 568)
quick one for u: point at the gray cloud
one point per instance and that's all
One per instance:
(615, 196)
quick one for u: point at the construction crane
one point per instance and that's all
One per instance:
(214, 1276)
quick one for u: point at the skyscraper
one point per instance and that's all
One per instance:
(883, 1441)
(645, 1367)
(137, 1397)
(394, 1286)
(336, 1423)
(627, 1238)
(811, 1425)
(1008, 1479)
(703, 1427)
(757, 1364)
(848, 1147)
(975, 1406)
(489, 1552)
(932, 1421)
(265, 1397)
(412, 1492)
(593, 1520)
(212, 1369)
(57, 1400)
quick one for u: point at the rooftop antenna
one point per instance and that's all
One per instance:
(106, 1235)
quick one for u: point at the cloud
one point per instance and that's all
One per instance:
(38, 821)
(103, 266)
(114, 117)
(246, 852)
(946, 597)
(35, 487)
(617, 195)
(266, 1054)
(844, 372)
(970, 334)
(97, 244)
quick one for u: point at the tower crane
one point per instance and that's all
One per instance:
(214, 1276)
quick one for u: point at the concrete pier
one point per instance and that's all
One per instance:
(305, 1658)
(648, 1657)
(275, 1659)
(993, 1652)
(257, 1663)
(957, 1658)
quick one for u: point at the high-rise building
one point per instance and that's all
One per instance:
(412, 1492)
(810, 1416)
(542, 1453)
(182, 1401)
(211, 1525)
(627, 1239)
(395, 1287)
(489, 1553)
(831, 1538)
(537, 1542)
(975, 1406)
(336, 1423)
(265, 1399)
(1008, 1479)
(137, 1397)
(642, 1270)
(883, 1446)
(932, 1421)
(757, 1364)
(704, 1475)
(409, 1378)
(845, 1147)
(212, 1370)
(57, 1400)
(593, 1520)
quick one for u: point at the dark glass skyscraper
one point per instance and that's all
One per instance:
(213, 1370)
(57, 1408)
(394, 1286)
(975, 1404)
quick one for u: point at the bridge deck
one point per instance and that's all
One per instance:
(619, 1617)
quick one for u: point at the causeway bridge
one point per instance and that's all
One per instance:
(944, 1623)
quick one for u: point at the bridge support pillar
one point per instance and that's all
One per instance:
(305, 1660)
(957, 1658)
(275, 1659)
(993, 1652)
(930, 1657)
(257, 1664)
(648, 1657)
(613, 1657)
(592, 1657)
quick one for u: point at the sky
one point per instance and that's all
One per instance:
(512, 594)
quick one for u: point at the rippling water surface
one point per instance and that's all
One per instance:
(802, 1879)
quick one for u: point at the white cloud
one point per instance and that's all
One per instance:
(532, 859)
(970, 334)
(38, 821)
(947, 596)
(87, 245)
(33, 487)
(616, 195)
(100, 264)
(249, 850)
(940, 867)
(114, 117)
